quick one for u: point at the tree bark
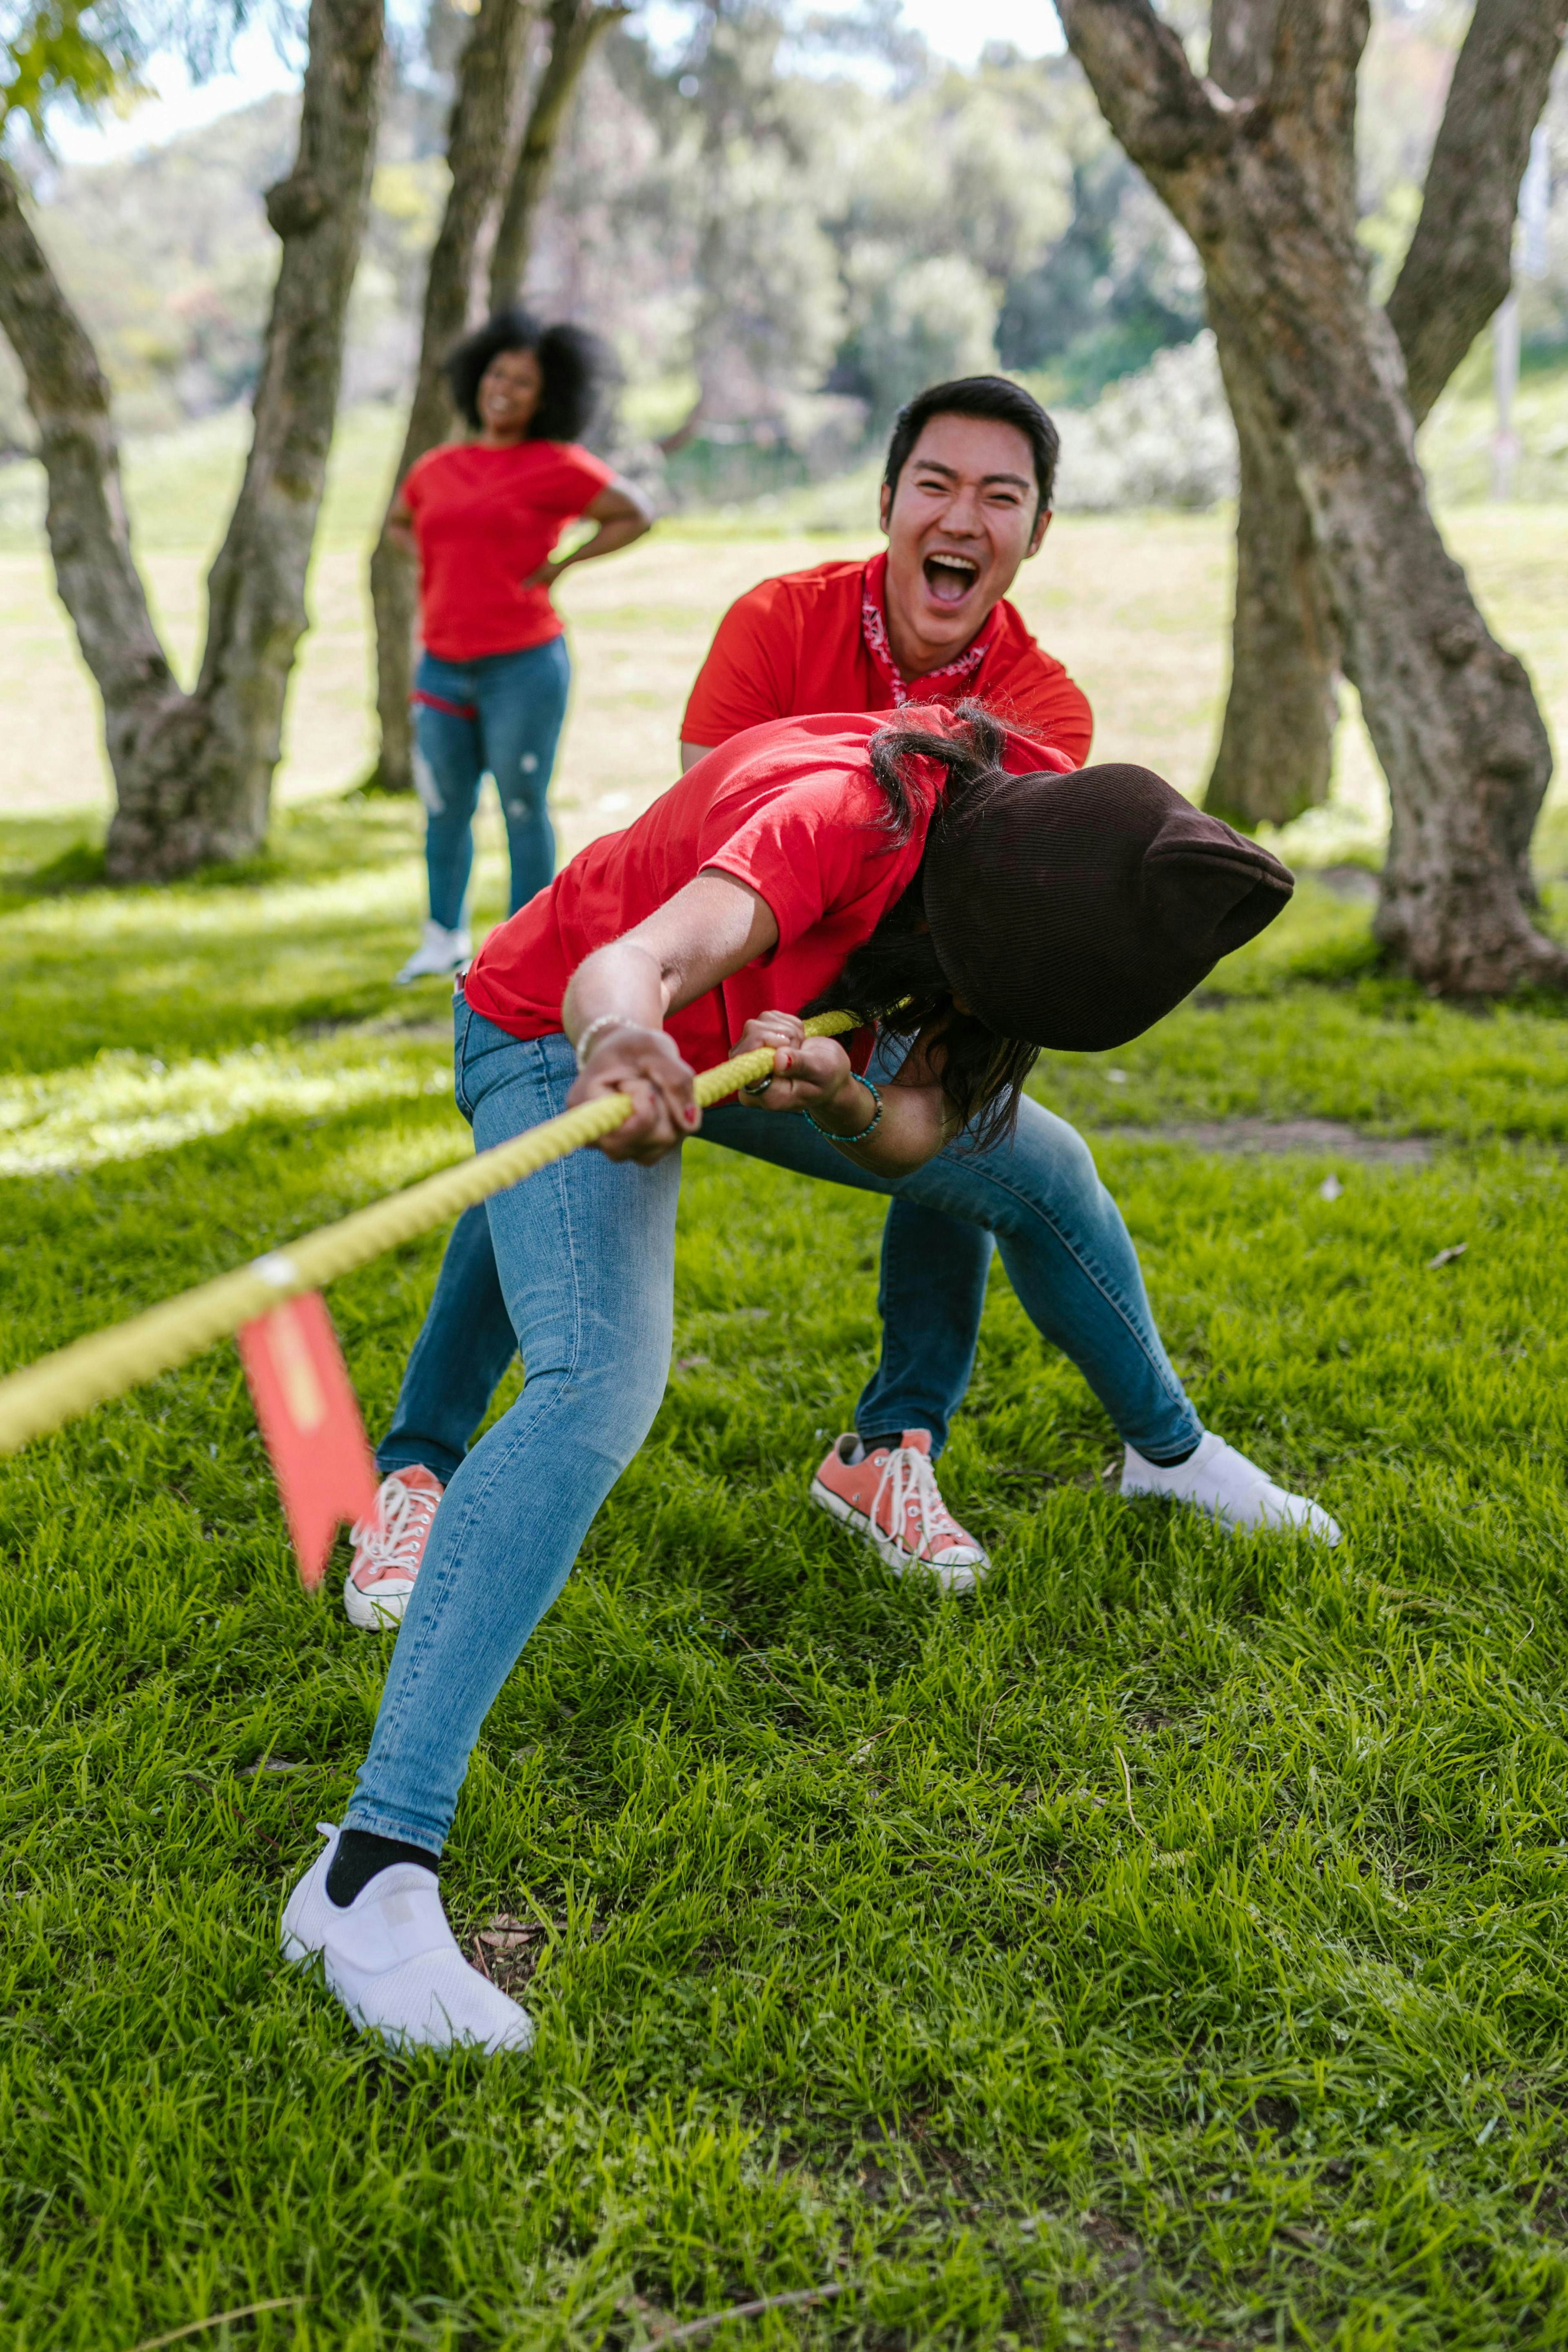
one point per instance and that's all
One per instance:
(1459, 263)
(1241, 45)
(193, 773)
(1266, 193)
(482, 104)
(1276, 748)
(574, 27)
(89, 539)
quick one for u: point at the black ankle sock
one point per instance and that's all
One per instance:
(361, 1854)
(1173, 1461)
(890, 1438)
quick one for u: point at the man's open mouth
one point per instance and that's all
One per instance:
(949, 578)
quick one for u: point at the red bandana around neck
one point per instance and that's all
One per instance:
(935, 684)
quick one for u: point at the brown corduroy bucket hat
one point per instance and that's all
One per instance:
(1075, 912)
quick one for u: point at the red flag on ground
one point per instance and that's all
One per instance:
(309, 1419)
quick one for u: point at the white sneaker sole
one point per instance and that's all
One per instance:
(406, 979)
(1315, 1524)
(375, 1612)
(952, 1579)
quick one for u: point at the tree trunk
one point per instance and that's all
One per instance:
(90, 541)
(574, 27)
(193, 773)
(1275, 754)
(1267, 196)
(482, 103)
(1276, 748)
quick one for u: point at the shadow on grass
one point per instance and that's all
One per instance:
(44, 857)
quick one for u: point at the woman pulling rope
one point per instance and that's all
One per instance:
(813, 861)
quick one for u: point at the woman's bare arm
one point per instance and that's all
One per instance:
(400, 526)
(622, 515)
(707, 931)
(813, 1074)
(623, 992)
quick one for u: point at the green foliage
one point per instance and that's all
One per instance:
(1163, 1949)
(61, 50)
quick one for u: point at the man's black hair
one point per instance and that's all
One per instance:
(991, 396)
(572, 362)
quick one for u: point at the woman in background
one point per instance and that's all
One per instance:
(482, 517)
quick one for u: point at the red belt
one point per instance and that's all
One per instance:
(439, 702)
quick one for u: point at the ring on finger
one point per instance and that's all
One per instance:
(762, 1085)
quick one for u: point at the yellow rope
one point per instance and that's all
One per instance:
(45, 1395)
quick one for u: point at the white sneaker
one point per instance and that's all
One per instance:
(1219, 1480)
(389, 1548)
(439, 953)
(393, 1962)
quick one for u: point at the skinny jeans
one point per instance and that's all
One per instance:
(1036, 1196)
(582, 1259)
(500, 715)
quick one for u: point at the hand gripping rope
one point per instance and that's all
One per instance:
(44, 1396)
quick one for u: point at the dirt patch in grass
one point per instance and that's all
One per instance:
(1316, 1136)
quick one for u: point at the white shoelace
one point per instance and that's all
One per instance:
(909, 1479)
(395, 1536)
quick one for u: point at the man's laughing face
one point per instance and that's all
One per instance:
(959, 524)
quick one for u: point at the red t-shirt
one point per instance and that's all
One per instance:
(484, 520)
(796, 644)
(792, 809)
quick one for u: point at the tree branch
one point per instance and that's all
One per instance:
(1146, 90)
(1460, 259)
(69, 396)
(486, 80)
(483, 99)
(574, 27)
(1241, 45)
(256, 590)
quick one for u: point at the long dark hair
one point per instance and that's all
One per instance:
(895, 975)
(573, 362)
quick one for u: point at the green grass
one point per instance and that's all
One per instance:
(1163, 1950)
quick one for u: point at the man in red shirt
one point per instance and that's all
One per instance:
(965, 501)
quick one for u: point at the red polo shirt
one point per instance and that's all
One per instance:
(795, 644)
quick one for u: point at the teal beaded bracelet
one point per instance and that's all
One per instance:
(872, 1124)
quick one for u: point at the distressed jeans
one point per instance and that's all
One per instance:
(1037, 1197)
(501, 715)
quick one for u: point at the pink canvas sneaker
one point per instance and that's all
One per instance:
(389, 1547)
(891, 1497)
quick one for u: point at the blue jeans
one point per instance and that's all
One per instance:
(1068, 1255)
(582, 1265)
(502, 714)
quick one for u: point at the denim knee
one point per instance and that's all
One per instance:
(1049, 1170)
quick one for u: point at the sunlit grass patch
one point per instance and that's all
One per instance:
(124, 1105)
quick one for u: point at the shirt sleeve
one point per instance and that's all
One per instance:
(1034, 693)
(814, 851)
(580, 478)
(748, 676)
